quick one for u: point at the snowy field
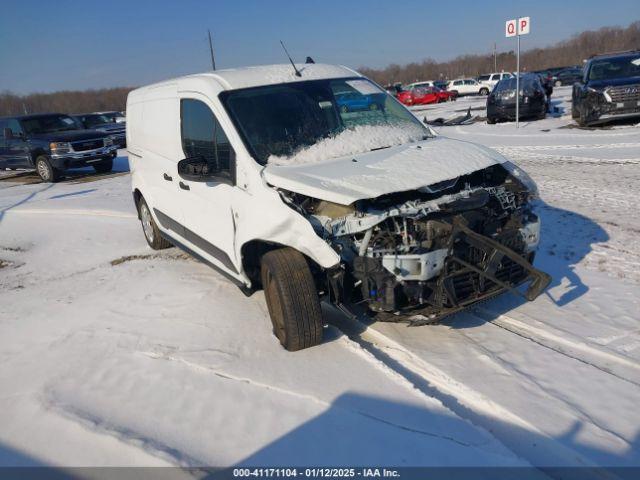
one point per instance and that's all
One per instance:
(113, 354)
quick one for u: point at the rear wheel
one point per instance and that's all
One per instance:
(344, 109)
(484, 91)
(373, 106)
(103, 167)
(149, 227)
(491, 120)
(292, 299)
(45, 170)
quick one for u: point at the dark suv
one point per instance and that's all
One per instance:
(501, 102)
(610, 89)
(52, 143)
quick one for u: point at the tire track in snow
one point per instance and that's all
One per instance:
(513, 431)
(128, 436)
(607, 362)
(303, 396)
(549, 158)
(527, 148)
(541, 389)
(70, 211)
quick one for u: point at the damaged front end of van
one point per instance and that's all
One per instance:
(419, 255)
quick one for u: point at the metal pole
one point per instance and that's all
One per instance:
(495, 60)
(518, 85)
(213, 60)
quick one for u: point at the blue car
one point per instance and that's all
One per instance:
(354, 101)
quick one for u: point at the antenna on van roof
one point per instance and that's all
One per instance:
(213, 60)
(298, 74)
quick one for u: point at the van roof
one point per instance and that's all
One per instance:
(246, 77)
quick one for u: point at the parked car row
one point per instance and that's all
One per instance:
(424, 95)
(52, 143)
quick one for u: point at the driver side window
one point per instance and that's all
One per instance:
(203, 136)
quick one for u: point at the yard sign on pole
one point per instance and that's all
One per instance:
(515, 28)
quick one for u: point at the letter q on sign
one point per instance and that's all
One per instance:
(510, 28)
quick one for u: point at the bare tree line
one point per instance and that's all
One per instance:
(67, 101)
(566, 53)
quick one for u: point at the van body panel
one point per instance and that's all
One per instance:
(212, 219)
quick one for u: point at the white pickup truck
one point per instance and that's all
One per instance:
(261, 174)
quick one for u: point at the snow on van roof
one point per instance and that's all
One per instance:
(283, 73)
(245, 77)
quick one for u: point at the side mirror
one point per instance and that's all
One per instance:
(196, 169)
(8, 133)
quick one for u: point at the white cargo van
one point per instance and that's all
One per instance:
(261, 174)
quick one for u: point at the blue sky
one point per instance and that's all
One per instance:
(61, 44)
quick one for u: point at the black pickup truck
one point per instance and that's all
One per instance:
(609, 90)
(52, 143)
(103, 123)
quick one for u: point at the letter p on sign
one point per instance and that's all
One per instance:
(510, 28)
(523, 25)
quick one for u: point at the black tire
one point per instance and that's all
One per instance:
(344, 109)
(45, 170)
(292, 299)
(150, 228)
(491, 120)
(484, 91)
(373, 107)
(582, 119)
(574, 112)
(103, 167)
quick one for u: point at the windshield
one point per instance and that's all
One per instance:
(48, 124)
(91, 121)
(311, 121)
(620, 67)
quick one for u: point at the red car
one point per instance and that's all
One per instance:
(445, 95)
(418, 96)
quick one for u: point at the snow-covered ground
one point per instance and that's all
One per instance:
(113, 354)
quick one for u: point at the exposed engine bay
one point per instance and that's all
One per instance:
(432, 251)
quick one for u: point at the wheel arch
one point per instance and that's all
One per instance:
(251, 255)
(137, 195)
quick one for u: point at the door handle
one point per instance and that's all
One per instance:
(184, 186)
(167, 178)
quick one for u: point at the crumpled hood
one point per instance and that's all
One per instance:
(396, 169)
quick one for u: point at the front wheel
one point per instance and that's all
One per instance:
(491, 120)
(484, 91)
(292, 299)
(45, 170)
